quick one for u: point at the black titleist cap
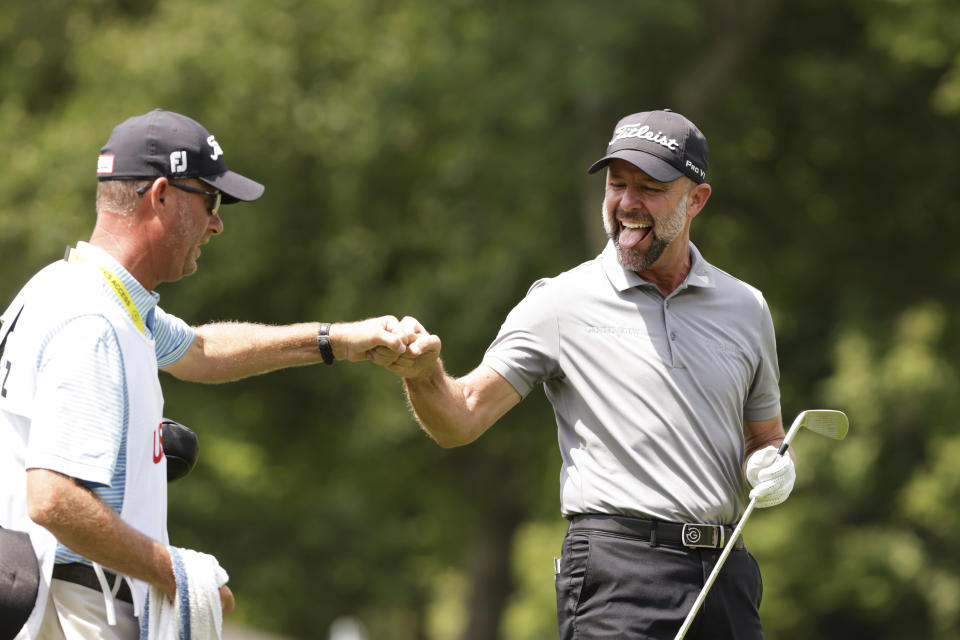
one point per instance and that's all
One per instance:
(166, 144)
(663, 144)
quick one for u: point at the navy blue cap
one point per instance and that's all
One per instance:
(166, 144)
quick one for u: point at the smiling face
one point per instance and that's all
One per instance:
(645, 217)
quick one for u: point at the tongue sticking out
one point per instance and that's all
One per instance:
(631, 237)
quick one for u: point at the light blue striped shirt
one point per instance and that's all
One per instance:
(82, 383)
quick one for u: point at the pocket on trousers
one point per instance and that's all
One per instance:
(569, 581)
(759, 580)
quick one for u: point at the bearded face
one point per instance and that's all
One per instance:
(639, 237)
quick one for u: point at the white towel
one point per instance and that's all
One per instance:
(196, 613)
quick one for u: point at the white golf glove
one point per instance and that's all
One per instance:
(771, 476)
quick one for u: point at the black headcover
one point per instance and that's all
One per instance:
(19, 581)
(182, 448)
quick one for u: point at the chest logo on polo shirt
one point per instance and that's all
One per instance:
(158, 444)
(617, 331)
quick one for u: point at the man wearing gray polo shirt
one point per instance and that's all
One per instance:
(662, 371)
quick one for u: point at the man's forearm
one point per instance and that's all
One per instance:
(225, 351)
(89, 527)
(764, 433)
(437, 403)
(457, 411)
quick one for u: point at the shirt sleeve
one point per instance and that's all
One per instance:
(172, 337)
(81, 401)
(763, 401)
(526, 351)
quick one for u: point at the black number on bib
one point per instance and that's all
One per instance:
(3, 387)
(3, 345)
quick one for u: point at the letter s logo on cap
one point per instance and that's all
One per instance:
(178, 162)
(217, 151)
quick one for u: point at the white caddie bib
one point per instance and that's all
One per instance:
(38, 308)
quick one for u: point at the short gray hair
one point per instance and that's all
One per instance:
(119, 196)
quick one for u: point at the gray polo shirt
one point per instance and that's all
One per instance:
(650, 392)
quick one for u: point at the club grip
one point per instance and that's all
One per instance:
(783, 448)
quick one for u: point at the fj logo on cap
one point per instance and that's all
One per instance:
(644, 133)
(178, 162)
(217, 151)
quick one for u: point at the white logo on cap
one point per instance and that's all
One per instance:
(217, 151)
(105, 163)
(697, 170)
(178, 162)
(644, 133)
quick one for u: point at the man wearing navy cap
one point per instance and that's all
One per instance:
(82, 466)
(662, 371)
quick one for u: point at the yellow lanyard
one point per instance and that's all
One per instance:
(116, 284)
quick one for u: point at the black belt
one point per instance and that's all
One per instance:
(693, 536)
(84, 575)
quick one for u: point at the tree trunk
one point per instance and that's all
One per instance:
(491, 571)
(737, 28)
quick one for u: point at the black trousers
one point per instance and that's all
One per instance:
(616, 586)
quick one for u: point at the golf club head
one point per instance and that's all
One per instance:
(827, 422)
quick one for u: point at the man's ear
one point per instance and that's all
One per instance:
(698, 198)
(157, 193)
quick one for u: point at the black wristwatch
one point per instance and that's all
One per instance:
(323, 343)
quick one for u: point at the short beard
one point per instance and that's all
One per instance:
(664, 232)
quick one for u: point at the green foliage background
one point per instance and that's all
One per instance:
(428, 158)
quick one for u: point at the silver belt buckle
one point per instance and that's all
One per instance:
(702, 535)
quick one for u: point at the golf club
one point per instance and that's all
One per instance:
(827, 422)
